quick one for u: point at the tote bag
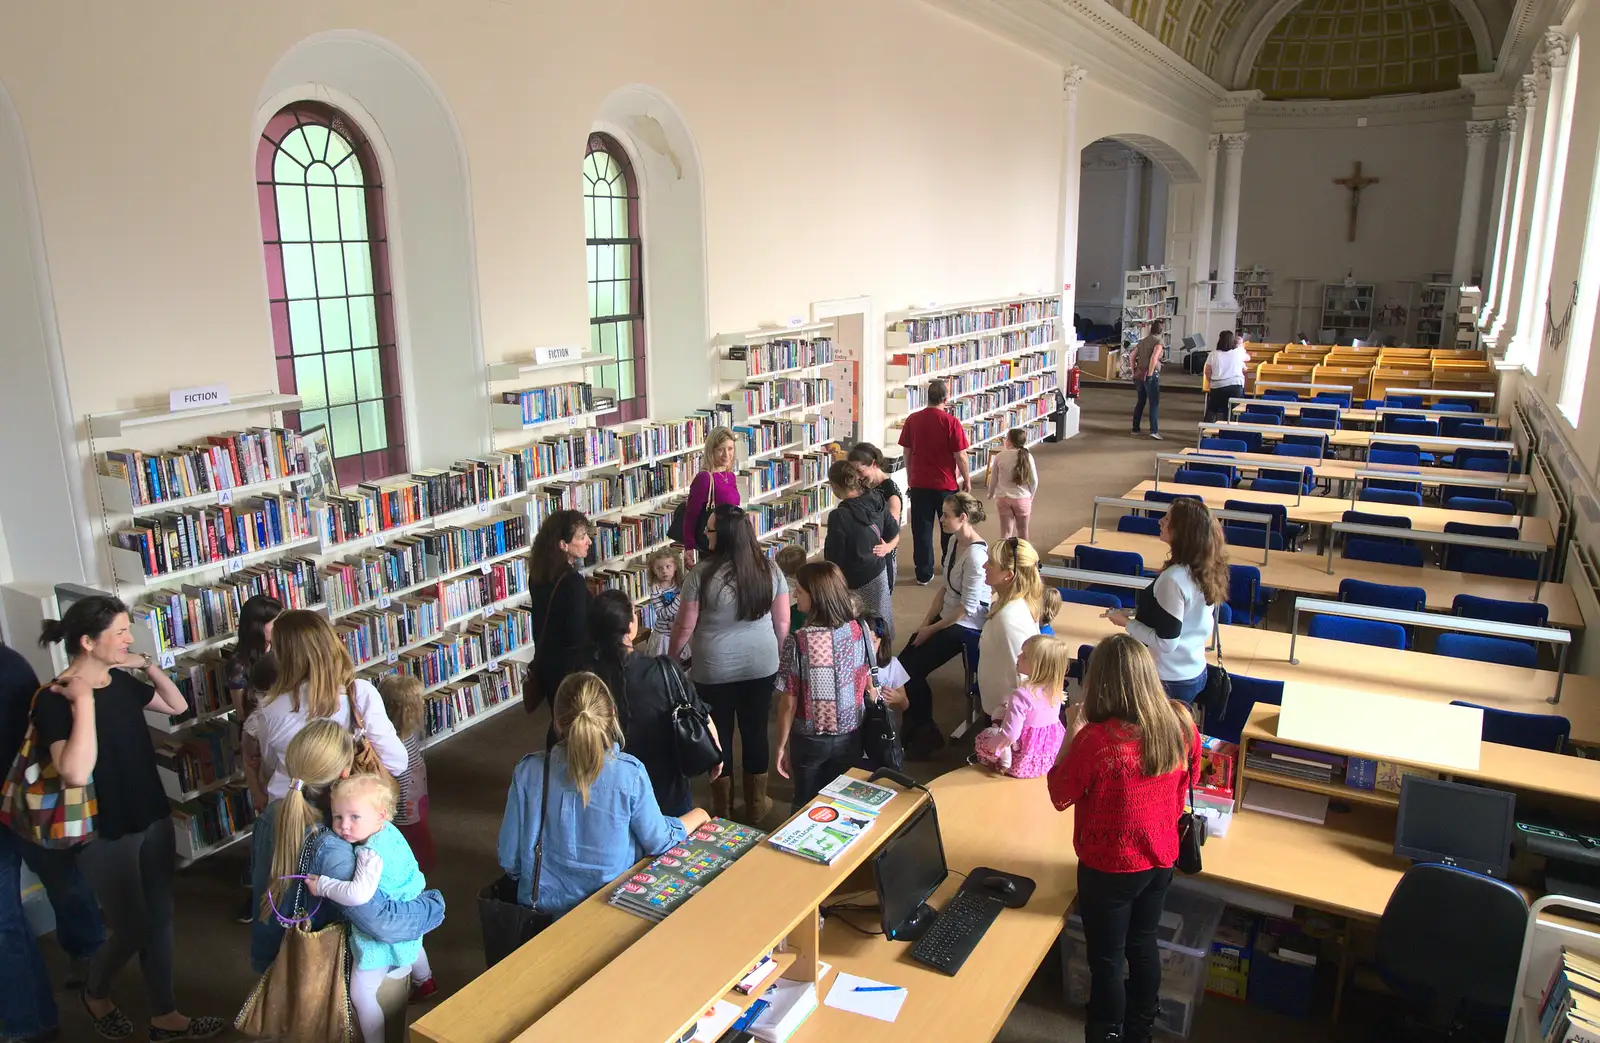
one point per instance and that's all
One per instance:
(37, 804)
(506, 924)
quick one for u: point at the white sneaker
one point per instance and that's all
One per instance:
(1155, 436)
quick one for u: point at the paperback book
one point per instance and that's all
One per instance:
(868, 798)
(682, 870)
(822, 832)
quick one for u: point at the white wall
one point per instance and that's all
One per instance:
(1102, 199)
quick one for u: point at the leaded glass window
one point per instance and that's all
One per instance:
(616, 284)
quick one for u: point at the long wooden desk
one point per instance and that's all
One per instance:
(1362, 415)
(1349, 439)
(1325, 510)
(1345, 470)
(1306, 573)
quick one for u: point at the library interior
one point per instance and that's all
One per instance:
(1126, 579)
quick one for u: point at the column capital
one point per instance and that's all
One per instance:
(1213, 142)
(1557, 48)
(1511, 121)
(1071, 79)
(1528, 90)
(1479, 130)
(1234, 143)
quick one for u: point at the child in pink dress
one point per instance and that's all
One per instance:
(1028, 738)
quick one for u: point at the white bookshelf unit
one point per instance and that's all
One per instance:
(1466, 327)
(1148, 294)
(999, 358)
(1430, 314)
(1252, 289)
(1347, 311)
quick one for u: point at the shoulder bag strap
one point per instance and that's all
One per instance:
(549, 609)
(358, 724)
(544, 813)
(1216, 630)
(872, 660)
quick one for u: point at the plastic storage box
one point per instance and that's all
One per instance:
(1228, 967)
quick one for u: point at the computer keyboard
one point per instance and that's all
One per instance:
(957, 931)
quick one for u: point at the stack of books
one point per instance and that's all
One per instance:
(1569, 1011)
(829, 825)
(1293, 762)
(676, 876)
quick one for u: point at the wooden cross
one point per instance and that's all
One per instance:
(1355, 183)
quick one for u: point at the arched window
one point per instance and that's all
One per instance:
(616, 283)
(333, 329)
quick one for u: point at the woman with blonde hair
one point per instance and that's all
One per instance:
(316, 680)
(1132, 755)
(714, 486)
(1174, 615)
(1012, 573)
(602, 808)
(293, 831)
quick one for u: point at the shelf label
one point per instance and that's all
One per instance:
(486, 568)
(392, 658)
(560, 353)
(379, 539)
(493, 664)
(797, 320)
(383, 601)
(483, 508)
(180, 399)
(232, 565)
(225, 497)
(168, 660)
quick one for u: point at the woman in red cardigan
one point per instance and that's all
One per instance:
(1132, 757)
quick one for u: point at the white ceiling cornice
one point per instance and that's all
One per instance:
(1383, 111)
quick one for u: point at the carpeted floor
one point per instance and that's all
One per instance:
(468, 777)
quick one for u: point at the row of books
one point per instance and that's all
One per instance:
(479, 642)
(776, 472)
(225, 461)
(207, 754)
(973, 381)
(564, 453)
(555, 401)
(1002, 395)
(192, 614)
(678, 874)
(360, 580)
(794, 507)
(457, 547)
(469, 593)
(371, 635)
(212, 535)
(767, 395)
(841, 813)
(767, 435)
(633, 579)
(599, 493)
(213, 817)
(1294, 762)
(789, 353)
(982, 452)
(203, 681)
(960, 353)
(645, 441)
(630, 534)
(445, 709)
(1569, 1009)
(937, 326)
(807, 537)
(1163, 309)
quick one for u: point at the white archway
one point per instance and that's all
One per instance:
(680, 361)
(432, 249)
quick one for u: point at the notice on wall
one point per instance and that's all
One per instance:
(1089, 353)
(198, 397)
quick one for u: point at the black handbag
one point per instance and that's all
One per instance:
(680, 512)
(1191, 832)
(697, 752)
(506, 924)
(1213, 698)
(880, 743)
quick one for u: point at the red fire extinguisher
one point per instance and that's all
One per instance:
(1072, 383)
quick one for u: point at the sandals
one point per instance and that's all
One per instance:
(112, 1025)
(199, 1028)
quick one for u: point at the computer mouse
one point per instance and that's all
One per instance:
(999, 885)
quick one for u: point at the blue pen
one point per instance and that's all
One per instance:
(878, 988)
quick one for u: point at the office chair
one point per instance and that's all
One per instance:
(1224, 445)
(1162, 496)
(1384, 552)
(1138, 525)
(1499, 563)
(1318, 423)
(1545, 732)
(1256, 416)
(969, 661)
(1494, 460)
(1094, 598)
(1453, 426)
(1266, 410)
(1393, 521)
(1292, 532)
(1479, 430)
(1482, 649)
(1277, 485)
(1358, 631)
(1122, 562)
(1454, 556)
(1466, 405)
(1442, 960)
(1383, 595)
(1402, 401)
(1248, 600)
(1320, 413)
(1224, 614)
(1395, 447)
(1337, 398)
(1236, 535)
(1280, 396)
(1305, 452)
(1528, 613)
(1317, 442)
(1080, 666)
(1399, 497)
(1246, 694)
(1411, 425)
(1195, 476)
(1479, 504)
(1394, 457)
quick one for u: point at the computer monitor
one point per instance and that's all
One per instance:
(1466, 826)
(907, 870)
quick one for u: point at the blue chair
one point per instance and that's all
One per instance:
(1453, 492)
(1383, 551)
(1246, 694)
(1479, 504)
(1161, 496)
(1393, 521)
(1247, 598)
(1275, 395)
(1398, 497)
(1317, 442)
(1122, 562)
(1338, 398)
(1138, 525)
(1215, 464)
(1236, 535)
(1318, 424)
(1292, 532)
(1500, 650)
(1080, 666)
(1393, 458)
(1465, 405)
(1411, 425)
(1372, 403)
(1224, 445)
(1528, 613)
(1383, 595)
(1454, 554)
(1546, 732)
(1094, 598)
(1453, 426)
(1267, 410)
(1319, 413)
(1280, 486)
(1359, 631)
(1499, 563)
(1194, 476)
(1402, 401)
(1257, 416)
(1305, 452)
(1493, 460)
(1477, 429)
(1224, 614)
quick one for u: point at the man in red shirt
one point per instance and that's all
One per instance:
(936, 466)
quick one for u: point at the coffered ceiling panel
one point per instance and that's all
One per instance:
(1364, 48)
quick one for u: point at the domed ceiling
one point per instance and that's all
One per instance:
(1364, 48)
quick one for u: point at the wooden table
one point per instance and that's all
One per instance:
(1325, 510)
(1306, 573)
(1345, 470)
(1350, 439)
(1361, 415)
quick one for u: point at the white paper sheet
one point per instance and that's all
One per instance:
(885, 1006)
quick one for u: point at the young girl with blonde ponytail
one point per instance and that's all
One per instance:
(603, 810)
(1013, 481)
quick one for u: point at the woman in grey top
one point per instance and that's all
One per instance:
(734, 617)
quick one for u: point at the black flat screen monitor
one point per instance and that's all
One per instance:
(1466, 826)
(907, 870)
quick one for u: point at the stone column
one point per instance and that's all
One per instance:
(1478, 132)
(1071, 185)
(1521, 191)
(1504, 178)
(1132, 183)
(1201, 265)
(1228, 250)
(1546, 199)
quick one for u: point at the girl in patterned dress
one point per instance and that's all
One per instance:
(1028, 738)
(665, 568)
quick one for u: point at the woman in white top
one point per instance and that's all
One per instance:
(316, 679)
(1225, 374)
(1013, 574)
(1014, 478)
(953, 622)
(1173, 617)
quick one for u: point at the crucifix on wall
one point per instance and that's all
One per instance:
(1355, 183)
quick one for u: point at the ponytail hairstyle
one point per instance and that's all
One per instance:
(310, 654)
(84, 620)
(965, 505)
(254, 615)
(1196, 540)
(846, 480)
(1122, 684)
(318, 755)
(586, 721)
(1017, 439)
(1017, 556)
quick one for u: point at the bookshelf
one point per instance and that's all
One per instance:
(1466, 329)
(999, 359)
(1148, 294)
(1252, 288)
(1430, 314)
(1347, 311)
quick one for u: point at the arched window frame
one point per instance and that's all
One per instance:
(355, 390)
(616, 291)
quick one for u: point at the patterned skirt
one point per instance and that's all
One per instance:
(876, 598)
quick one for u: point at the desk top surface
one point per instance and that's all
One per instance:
(1348, 437)
(1344, 470)
(1307, 573)
(1325, 510)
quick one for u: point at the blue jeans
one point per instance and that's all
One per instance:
(1149, 391)
(27, 1006)
(1185, 691)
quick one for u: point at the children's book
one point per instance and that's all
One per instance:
(683, 869)
(858, 794)
(822, 832)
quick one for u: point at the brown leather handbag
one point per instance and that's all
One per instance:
(366, 760)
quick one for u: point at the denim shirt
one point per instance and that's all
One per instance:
(585, 848)
(383, 918)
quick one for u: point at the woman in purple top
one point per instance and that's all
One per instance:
(716, 484)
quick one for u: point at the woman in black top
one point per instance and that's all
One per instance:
(869, 461)
(639, 686)
(92, 722)
(861, 536)
(560, 601)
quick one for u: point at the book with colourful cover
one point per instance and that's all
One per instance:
(725, 838)
(858, 794)
(822, 832)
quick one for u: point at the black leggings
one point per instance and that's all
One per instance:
(921, 660)
(1217, 401)
(1121, 913)
(747, 704)
(131, 877)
